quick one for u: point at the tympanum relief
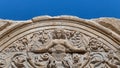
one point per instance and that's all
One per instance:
(58, 48)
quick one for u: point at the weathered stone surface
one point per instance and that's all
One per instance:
(111, 23)
(60, 42)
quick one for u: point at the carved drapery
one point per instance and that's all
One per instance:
(58, 42)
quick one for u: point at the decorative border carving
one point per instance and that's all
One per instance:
(58, 42)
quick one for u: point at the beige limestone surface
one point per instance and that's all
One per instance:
(60, 42)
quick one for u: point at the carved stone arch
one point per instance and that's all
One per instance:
(58, 42)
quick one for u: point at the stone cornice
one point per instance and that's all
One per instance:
(109, 25)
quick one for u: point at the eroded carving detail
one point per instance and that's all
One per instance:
(60, 48)
(2, 62)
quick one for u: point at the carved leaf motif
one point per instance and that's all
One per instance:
(58, 48)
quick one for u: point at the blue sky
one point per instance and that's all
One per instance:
(27, 9)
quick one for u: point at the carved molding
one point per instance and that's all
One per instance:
(58, 42)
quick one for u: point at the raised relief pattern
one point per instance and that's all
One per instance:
(58, 48)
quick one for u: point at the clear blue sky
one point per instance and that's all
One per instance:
(26, 9)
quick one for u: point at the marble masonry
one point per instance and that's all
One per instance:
(60, 42)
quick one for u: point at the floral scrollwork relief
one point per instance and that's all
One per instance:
(59, 48)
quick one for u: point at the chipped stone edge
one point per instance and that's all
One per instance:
(14, 24)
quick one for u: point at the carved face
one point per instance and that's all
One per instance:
(2, 63)
(59, 34)
(76, 58)
(94, 44)
(58, 52)
(45, 38)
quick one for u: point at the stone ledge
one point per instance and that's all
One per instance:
(110, 25)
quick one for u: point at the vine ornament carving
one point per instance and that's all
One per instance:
(59, 42)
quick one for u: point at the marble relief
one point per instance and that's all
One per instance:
(58, 48)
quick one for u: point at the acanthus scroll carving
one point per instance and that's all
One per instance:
(59, 48)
